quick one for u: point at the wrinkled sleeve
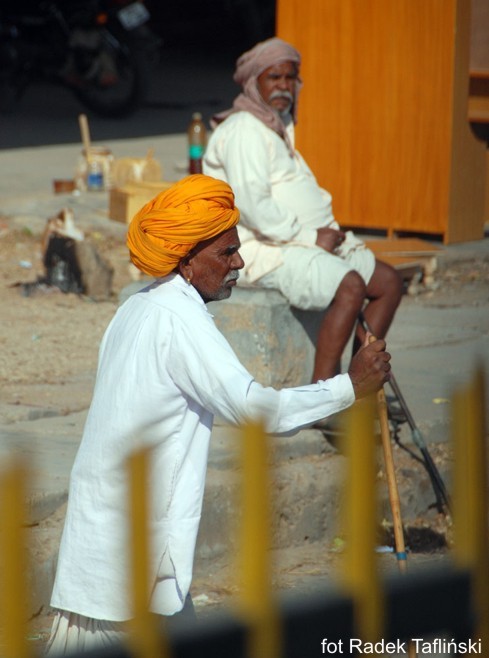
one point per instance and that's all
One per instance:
(246, 159)
(204, 366)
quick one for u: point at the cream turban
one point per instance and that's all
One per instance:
(167, 228)
(262, 56)
(248, 68)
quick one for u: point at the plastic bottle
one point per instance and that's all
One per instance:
(197, 139)
(95, 175)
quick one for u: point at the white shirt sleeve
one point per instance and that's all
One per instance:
(203, 365)
(246, 155)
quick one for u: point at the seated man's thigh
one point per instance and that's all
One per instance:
(308, 277)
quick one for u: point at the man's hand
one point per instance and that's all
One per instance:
(370, 368)
(329, 239)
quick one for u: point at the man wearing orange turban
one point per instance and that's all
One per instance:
(175, 221)
(164, 372)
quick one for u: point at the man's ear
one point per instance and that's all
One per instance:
(185, 269)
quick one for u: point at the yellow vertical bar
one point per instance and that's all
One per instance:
(256, 599)
(360, 572)
(145, 631)
(13, 561)
(470, 506)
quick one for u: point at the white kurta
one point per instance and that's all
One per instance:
(164, 371)
(279, 198)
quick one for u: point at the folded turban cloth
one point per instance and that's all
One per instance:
(262, 56)
(248, 68)
(167, 228)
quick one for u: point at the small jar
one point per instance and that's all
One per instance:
(95, 171)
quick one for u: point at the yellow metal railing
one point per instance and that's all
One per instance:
(13, 560)
(258, 608)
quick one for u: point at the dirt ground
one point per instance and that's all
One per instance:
(50, 339)
(48, 353)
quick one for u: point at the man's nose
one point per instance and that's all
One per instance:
(237, 262)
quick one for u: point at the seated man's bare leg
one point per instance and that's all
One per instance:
(337, 324)
(384, 292)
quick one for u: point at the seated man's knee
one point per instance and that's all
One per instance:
(352, 289)
(393, 283)
(386, 282)
(399, 281)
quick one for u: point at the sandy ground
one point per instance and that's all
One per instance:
(50, 338)
(48, 352)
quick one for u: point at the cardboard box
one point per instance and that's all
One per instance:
(124, 202)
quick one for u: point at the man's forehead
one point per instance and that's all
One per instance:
(283, 66)
(224, 240)
(229, 237)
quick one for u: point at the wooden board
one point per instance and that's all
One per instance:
(403, 247)
(408, 255)
(125, 202)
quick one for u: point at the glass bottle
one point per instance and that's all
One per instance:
(197, 139)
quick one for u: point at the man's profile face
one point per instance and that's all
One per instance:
(276, 85)
(215, 266)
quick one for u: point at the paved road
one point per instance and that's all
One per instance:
(184, 81)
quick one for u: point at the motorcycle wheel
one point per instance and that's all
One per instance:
(124, 93)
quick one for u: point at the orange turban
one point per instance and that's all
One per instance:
(167, 228)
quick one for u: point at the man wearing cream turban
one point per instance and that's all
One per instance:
(164, 372)
(290, 239)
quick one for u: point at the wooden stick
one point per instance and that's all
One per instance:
(85, 134)
(391, 481)
(394, 499)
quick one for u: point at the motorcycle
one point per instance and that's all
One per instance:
(97, 48)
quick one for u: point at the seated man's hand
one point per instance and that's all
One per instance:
(329, 238)
(370, 368)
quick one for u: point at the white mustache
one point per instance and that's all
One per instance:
(232, 276)
(282, 94)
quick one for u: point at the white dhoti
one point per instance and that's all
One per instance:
(72, 633)
(308, 277)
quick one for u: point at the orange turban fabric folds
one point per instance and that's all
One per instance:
(167, 228)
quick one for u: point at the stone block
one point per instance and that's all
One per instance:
(96, 272)
(275, 342)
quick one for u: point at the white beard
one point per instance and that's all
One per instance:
(286, 116)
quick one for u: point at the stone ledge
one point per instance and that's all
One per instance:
(225, 446)
(304, 499)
